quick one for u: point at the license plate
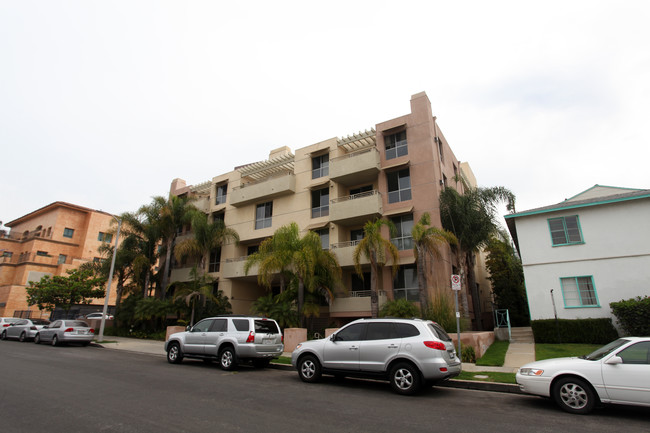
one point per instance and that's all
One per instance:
(81, 332)
(267, 341)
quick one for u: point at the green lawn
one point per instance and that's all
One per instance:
(495, 355)
(487, 376)
(546, 351)
(282, 360)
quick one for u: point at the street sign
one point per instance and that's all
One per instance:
(455, 282)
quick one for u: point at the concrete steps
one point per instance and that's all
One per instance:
(522, 347)
(522, 335)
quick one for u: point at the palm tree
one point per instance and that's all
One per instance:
(199, 288)
(471, 217)
(374, 247)
(208, 236)
(175, 212)
(426, 243)
(301, 260)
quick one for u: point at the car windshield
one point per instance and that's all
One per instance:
(40, 321)
(266, 326)
(76, 324)
(605, 350)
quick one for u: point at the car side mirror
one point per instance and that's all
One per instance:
(614, 360)
(188, 328)
(333, 337)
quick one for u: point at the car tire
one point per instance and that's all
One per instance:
(37, 338)
(227, 359)
(174, 353)
(261, 363)
(3, 336)
(55, 341)
(22, 337)
(405, 379)
(574, 395)
(309, 369)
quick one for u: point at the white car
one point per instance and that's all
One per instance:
(616, 373)
(99, 316)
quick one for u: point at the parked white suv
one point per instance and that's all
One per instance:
(229, 339)
(407, 352)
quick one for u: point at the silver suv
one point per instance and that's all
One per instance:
(229, 339)
(407, 352)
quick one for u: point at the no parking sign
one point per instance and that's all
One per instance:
(455, 282)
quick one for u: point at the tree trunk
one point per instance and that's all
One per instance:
(374, 293)
(168, 260)
(476, 300)
(463, 293)
(301, 301)
(422, 283)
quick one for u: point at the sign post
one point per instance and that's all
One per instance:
(455, 286)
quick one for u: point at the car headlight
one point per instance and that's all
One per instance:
(298, 346)
(530, 371)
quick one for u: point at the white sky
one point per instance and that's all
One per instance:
(103, 103)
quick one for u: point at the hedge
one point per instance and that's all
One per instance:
(582, 331)
(633, 315)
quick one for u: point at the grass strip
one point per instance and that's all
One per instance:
(546, 351)
(487, 376)
(495, 355)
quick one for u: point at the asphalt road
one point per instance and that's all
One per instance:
(91, 389)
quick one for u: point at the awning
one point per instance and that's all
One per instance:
(399, 211)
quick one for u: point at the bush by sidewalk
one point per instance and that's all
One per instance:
(633, 315)
(584, 331)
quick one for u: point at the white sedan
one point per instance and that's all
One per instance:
(616, 373)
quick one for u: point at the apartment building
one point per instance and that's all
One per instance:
(48, 241)
(395, 170)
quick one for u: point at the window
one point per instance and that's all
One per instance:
(440, 152)
(241, 324)
(405, 285)
(356, 235)
(361, 284)
(263, 214)
(381, 331)
(215, 259)
(352, 333)
(399, 186)
(42, 253)
(636, 354)
(579, 292)
(7, 254)
(222, 191)
(565, 230)
(202, 326)
(252, 249)
(361, 190)
(324, 235)
(320, 203)
(403, 239)
(67, 233)
(219, 216)
(104, 237)
(219, 325)
(62, 259)
(320, 166)
(396, 145)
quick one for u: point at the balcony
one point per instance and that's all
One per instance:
(344, 252)
(265, 189)
(356, 168)
(234, 268)
(355, 304)
(356, 209)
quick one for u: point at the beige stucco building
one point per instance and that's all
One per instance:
(395, 170)
(48, 241)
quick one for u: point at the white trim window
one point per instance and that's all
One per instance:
(579, 292)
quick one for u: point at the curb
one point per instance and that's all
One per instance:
(481, 386)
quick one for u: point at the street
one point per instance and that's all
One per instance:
(92, 389)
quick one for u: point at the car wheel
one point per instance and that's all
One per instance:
(3, 336)
(405, 379)
(22, 337)
(37, 338)
(574, 395)
(55, 340)
(227, 359)
(309, 369)
(174, 353)
(261, 363)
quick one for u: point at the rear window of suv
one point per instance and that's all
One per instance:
(266, 327)
(241, 324)
(439, 332)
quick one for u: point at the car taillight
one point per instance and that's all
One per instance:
(282, 339)
(443, 369)
(251, 337)
(5, 325)
(92, 331)
(33, 328)
(69, 330)
(435, 345)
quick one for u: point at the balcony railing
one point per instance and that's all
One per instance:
(266, 188)
(357, 167)
(357, 208)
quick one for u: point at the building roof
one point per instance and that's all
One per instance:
(49, 208)
(597, 195)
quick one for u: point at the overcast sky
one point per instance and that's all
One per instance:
(103, 103)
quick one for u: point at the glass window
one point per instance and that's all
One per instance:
(215, 259)
(565, 230)
(219, 216)
(406, 330)
(636, 354)
(403, 239)
(579, 292)
(399, 186)
(381, 331)
(396, 145)
(104, 237)
(356, 235)
(202, 326)
(320, 203)
(62, 259)
(252, 249)
(68, 233)
(361, 284)
(405, 285)
(222, 191)
(320, 166)
(219, 325)
(41, 253)
(324, 235)
(263, 214)
(361, 190)
(351, 333)
(266, 327)
(241, 324)
(439, 332)
(56, 324)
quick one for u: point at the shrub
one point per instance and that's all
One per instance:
(467, 354)
(399, 308)
(633, 315)
(584, 331)
(441, 310)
